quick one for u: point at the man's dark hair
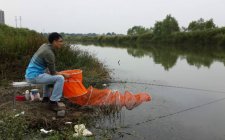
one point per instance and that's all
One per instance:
(53, 36)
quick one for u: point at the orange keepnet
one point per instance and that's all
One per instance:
(78, 94)
(73, 86)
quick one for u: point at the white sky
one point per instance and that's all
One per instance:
(102, 16)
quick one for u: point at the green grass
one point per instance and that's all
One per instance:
(92, 69)
(12, 127)
(17, 46)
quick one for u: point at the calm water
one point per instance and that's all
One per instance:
(175, 112)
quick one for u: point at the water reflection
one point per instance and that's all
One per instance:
(167, 55)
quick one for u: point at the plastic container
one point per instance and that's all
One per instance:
(27, 95)
(20, 98)
(34, 91)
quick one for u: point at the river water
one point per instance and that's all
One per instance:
(187, 89)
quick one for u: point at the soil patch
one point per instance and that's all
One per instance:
(38, 115)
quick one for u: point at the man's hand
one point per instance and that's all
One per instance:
(64, 74)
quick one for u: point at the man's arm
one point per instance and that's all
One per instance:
(50, 61)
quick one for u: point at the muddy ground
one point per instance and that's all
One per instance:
(38, 114)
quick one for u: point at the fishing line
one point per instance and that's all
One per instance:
(175, 113)
(181, 111)
(172, 114)
(161, 85)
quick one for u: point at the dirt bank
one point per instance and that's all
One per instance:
(37, 115)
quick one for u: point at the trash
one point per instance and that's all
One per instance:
(46, 131)
(21, 113)
(53, 118)
(68, 122)
(17, 115)
(61, 104)
(104, 85)
(80, 130)
(20, 98)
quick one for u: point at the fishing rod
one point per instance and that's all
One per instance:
(151, 84)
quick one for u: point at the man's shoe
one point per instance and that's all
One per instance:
(56, 106)
(45, 100)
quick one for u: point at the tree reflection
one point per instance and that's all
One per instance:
(167, 55)
(166, 58)
(198, 56)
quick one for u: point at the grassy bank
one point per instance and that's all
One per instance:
(17, 46)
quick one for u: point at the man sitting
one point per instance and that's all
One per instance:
(44, 60)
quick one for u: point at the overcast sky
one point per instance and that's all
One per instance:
(102, 16)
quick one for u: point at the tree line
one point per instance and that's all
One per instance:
(200, 32)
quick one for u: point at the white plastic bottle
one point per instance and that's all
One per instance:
(38, 96)
(31, 96)
(27, 95)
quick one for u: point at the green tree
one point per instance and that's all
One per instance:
(166, 27)
(109, 34)
(201, 25)
(137, 30)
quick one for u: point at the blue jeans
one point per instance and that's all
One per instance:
(56, 80)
